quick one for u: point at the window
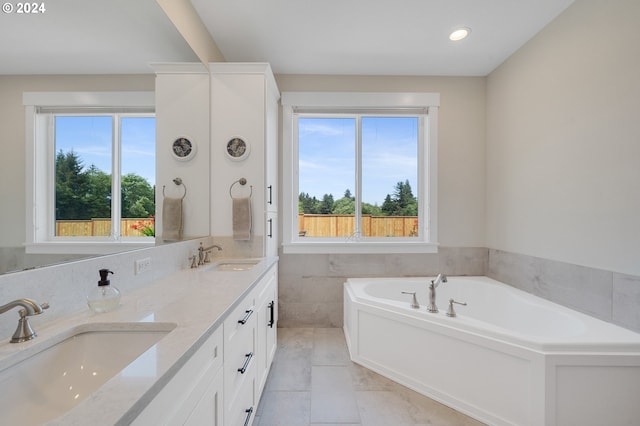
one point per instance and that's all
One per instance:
(359, 172)
(91, 171)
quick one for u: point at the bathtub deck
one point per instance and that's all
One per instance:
(313, 382)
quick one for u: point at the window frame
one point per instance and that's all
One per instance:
(294, 103)
(40, 111)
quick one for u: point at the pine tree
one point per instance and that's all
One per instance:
(71, 187)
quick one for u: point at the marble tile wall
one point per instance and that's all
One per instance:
(609, 296)
(311, 292)
(311, 285)
(65, 286)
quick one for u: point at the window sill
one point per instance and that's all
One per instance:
(352, 247)
(87, 247)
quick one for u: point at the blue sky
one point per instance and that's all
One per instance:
(90, 139)
(327, 156)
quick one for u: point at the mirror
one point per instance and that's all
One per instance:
(90, 47)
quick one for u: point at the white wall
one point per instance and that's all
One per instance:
(182, 109)
(563, 141)
(237, 105)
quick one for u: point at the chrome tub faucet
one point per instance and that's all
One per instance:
(24, 331)
(441, 278)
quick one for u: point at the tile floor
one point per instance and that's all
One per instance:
(313, 382)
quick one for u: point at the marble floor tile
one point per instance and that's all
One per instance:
(314, 383)
(283, 409)
(332, 397)
(328, 378)
(290, 375)
(330, 347)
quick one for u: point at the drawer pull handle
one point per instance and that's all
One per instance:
(246, 317)
(270, 228)
(246, 363)
(249, 412)
(271, 313)
(270, 187)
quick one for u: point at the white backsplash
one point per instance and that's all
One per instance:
(65, 286)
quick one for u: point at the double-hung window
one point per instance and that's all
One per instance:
(90, 171)
(359, 172)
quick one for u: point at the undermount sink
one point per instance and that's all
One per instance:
(47, 380)
(234, 265)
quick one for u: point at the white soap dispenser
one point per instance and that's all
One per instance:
(105, 297)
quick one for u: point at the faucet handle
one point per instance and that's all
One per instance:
(451, 312)
(414, 303)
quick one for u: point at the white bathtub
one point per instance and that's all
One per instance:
(508, 358)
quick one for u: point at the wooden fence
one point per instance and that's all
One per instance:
(99, 227)
(337, 225)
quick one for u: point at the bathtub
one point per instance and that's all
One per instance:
(507, 358)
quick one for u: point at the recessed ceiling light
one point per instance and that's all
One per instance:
(459, 34)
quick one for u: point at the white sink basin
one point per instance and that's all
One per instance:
(46, 380)
(234, 265)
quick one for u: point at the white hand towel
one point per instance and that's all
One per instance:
(172, 219)
(241, 219)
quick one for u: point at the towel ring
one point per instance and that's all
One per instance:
(241, 181)
(178, 182)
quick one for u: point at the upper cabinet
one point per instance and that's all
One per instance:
(244, 145)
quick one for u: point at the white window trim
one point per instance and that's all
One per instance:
(39, 235)
(335, 101)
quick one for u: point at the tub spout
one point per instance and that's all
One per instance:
(441, 278)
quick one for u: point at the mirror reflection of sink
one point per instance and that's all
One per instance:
(66, 369)
(234, 264)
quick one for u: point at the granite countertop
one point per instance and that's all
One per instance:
(196, 300)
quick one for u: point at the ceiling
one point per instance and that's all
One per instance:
(90, 37)
(361, 37)
(375, 37)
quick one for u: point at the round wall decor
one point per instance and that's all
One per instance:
(183, 149)
(237, 149)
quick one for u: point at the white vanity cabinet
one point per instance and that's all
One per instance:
(244, 105)
(239, 363)
(221, 384)
(194, 394)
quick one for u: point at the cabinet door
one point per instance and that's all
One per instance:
(266, 328)
(209, 409)
(201, 375)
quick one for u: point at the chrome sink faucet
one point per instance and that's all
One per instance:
(24, 331)
(203, 253)
(441, 278)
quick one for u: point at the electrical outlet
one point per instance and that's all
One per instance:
(143, 265)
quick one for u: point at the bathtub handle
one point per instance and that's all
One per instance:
(414, 303)
(451, 312)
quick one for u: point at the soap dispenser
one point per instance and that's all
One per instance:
(105, 297)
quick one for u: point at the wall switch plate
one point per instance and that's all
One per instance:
(143, 265)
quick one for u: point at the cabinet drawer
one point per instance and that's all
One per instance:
(241, 319)
(266, 285)
(239, 366)
(177, 399)
(243, 410)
